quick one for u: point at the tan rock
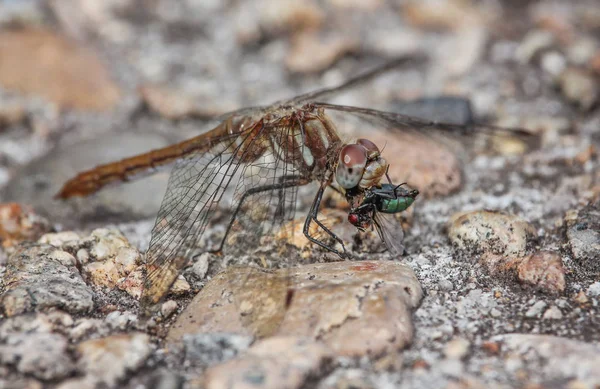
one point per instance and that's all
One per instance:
(107, 360)
(544, 270)
(437, 175)
(312, 53)
(19, 223)
(355, 308)
(69, 75)
(491, 231)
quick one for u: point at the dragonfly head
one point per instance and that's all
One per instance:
(360, 165)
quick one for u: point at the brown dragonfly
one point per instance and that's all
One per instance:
(257, 158)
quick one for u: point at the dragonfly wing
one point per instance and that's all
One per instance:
(324, 94)
(390, 231)
(397, 122)
(230, 170)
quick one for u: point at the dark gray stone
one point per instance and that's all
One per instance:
(36, 280)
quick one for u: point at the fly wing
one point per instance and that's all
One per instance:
(243, 171)
(390, 231)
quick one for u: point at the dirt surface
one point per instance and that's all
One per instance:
(502, 245)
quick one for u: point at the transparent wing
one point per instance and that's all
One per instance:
(404, 123)
(326, 93)
(390, 231)
(244, 176)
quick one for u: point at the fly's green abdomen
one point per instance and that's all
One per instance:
(396, 205)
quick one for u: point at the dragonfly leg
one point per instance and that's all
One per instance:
(284, 182)
(312, 216)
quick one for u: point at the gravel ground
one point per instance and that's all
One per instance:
(500, 282)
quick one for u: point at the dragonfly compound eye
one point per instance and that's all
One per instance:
(351, 166)
(372, 149)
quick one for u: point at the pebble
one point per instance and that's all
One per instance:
(73, 75)
(107, 360)
(445, 285)
(452, 367)
(37, 281)
(43, 355)
(168, 308)
(311, 53)
(536, 309)
(19, 223)
(490, 231)
(200, 266)
(557, 358)
(534, 42)
(553, 63)
(208, 349)
(581, 298)
(58, 239)
(594, 289)
(579, 87)
(120, 320)
(543, 270)
(552, 313)
(457, 348)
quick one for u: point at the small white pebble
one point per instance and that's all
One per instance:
(168, 308)
(457, 348)
(536, 309)
(83, 256)
(594, 289)
(445, 285)
(552, 313)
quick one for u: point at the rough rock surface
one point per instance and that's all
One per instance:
(39, 277)
(354, 308)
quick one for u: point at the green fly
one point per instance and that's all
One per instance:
(378, 207)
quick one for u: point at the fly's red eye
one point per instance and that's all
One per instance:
(351, 165)
(353, 219)
(372, 149)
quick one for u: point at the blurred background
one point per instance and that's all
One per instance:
(86, 82)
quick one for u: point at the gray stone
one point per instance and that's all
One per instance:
(120, 320)
(37, 280)
(585, 245)
(37, 183)
(579, 87)
(43, 355)
(594, 289)
(536, 309)
(210, 349)
(559, 358)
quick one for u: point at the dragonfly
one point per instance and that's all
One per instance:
(256, 159)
